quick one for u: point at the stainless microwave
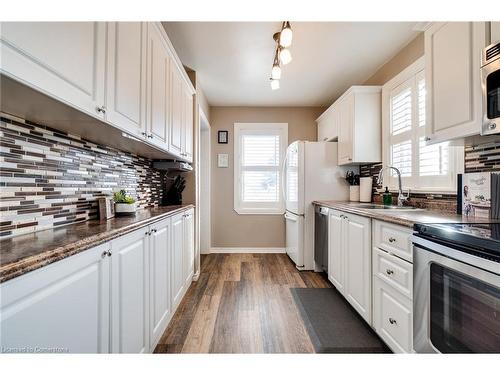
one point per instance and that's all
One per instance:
(490, 80)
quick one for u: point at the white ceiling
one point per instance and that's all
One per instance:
(233, 59)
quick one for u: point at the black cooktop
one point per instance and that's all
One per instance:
(483, 238)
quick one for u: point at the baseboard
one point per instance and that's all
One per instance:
(248, 250)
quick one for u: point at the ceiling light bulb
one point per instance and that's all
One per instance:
(275, 84)
(276, 72)
(286, 35)
(285, 56)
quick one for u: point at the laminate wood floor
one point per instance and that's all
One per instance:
(242, 303)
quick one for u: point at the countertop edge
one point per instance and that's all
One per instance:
(34, 262)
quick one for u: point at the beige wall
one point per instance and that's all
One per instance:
(230, 229)
(406, 56)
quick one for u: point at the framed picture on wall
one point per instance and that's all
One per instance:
(222, 136)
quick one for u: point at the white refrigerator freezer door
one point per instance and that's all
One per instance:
(293, 176)
(295, 238)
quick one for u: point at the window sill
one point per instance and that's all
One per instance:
(258, 211)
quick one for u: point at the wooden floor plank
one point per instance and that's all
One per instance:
(242, 303)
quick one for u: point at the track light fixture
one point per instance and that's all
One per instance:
(282, 55)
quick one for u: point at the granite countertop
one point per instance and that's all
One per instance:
(28, 252)
(407, 218)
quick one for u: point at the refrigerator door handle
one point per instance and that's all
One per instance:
(283, 178)
(291, 218)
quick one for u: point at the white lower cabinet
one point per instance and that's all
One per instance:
(129, 297)
(349, 257)
(392, 316)
(63, 307)
(116, 297)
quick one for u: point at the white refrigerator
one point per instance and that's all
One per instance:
(310, 173)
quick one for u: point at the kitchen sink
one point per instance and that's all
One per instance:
(372, 206)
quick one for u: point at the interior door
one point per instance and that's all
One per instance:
(294, 226)
(158, 88)
(129, 286)
(159, 265)
(65, 60)
(126, 76)
(63, 306)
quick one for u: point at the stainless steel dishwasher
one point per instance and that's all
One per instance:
(321, 237)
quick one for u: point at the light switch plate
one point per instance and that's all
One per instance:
(223, 160)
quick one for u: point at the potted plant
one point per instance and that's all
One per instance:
(124, 204)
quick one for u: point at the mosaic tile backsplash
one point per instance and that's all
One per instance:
(49, 178)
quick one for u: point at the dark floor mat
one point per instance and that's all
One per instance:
(333, 325)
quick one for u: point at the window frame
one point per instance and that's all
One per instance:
(258, 208)
(446, 184)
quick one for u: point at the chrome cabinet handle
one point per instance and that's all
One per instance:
(392, 321)
(104, 253)
(101, 109)
(155, 230)
(144, 134)
(109, 253)
(150, 135)
(389, 272)
(392, 239)
(427, 139)
(148, 233)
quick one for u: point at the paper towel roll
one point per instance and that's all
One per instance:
(365, 191)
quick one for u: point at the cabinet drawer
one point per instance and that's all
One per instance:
(396, 272)
(395, 239)
(392, 317)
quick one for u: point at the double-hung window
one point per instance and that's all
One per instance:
(259, 150)
(423, 167)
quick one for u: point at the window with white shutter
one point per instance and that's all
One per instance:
(423, 167)
(259, 152)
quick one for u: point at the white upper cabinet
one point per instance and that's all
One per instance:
(158, 92)
(187, 143)
(176, 129)
(129, 297)
(328, 124)
(65, 60)
(452, 69)
(126, 76)
(63, 305)
(360, 127)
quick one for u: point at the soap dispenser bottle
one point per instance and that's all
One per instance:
(387, 197)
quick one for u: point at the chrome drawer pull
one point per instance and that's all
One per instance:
(392, 239)
(393, 321)
(389, 272)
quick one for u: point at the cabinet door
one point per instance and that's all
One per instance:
(327, 127)
(159, 268)
(177, 100)
(346, 108)
(158, 93)
(63, 306)
(177, 272)
(129, 298)
(65, 60)
(188, 259)
(358, 264)
(335, 250)
(452, 69)
(392, 317)
(188, 125)
(126, 76)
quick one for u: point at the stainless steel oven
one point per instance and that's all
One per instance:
(490, 80)
(456, 299)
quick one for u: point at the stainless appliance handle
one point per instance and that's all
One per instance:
(291, 218)
(283, 178)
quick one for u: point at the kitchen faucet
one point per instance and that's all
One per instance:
(401, 197)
